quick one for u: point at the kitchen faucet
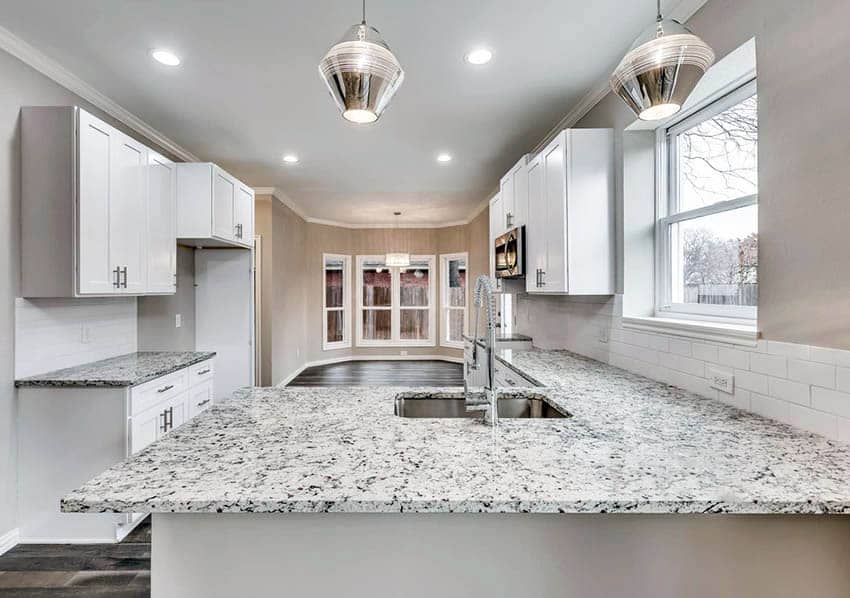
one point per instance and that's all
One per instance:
(489, 402)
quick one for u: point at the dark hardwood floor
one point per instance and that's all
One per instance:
(382, 373)
(74, 570)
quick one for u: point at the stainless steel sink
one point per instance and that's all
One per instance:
(521, 406)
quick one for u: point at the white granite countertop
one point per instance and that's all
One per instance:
(125, 370)
(632, 445)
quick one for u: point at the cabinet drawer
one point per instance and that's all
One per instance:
(147, 395)
(201, 372)
(200, 398)
(157, 420)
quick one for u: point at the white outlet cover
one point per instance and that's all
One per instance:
(722, 380)
(178, 321)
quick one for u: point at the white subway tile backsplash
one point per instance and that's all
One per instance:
(751, 381)
(772, 365)
(788, 390)
(704, 352)
(734, 358)
(832, 401)
(801, 385)
(789, 349)
(52, 334)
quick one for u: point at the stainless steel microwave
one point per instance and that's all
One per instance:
(510, 254)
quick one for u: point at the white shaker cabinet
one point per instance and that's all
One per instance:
(513, 189)
(88, 220)
(570, 230)
(214, 209)
(496, 219)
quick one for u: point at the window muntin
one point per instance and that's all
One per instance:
(396, 304)
(336, 272)
(454, 284)
(707, 237)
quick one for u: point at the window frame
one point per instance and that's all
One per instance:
(395, 307)
(345, 343)
(445, 306)
(667, 214)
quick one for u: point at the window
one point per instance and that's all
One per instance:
(453, 285)
(336, 277)
(395, 305)
(707, 233)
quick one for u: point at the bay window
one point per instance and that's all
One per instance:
(395, 305)
(453, 299)
(707, 232)
(336, 280)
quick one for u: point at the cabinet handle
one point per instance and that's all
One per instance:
(202, 372)
(164, 388)
(511, 382)
(239, 231)
(204, 402)
(170, 412)
(509, 219)
(164, 427)
(124, 272)
(543, 278)
(117, 282)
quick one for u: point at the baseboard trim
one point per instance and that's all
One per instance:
(9, 540)
(333, 360)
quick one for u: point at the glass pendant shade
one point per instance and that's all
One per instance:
(362, 74)
(661, 70)
(398, 260)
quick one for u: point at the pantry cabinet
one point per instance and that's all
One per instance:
(214, 208)
(97, 212)
(570, 230)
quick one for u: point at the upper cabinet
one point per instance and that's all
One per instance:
(98, 209)
(214, 209)
(513, 190)
(570, 228)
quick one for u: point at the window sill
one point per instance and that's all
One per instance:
(733, 334)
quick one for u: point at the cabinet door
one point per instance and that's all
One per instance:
(506, 194)
(245, 215)
(95, 272)
(535, 229)
(146, 427)
(224, 197)
(200, 398)
(128, 201)
(178, 413)
(520, 213)
(161, 223)
(495, 231)
(555, 193)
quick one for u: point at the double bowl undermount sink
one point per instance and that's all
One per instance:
(516, 405)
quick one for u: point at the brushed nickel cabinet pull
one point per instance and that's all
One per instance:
(202, 372)
(164, 388)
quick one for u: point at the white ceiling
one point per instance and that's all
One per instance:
(248, 90)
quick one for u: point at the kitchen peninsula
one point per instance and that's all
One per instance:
(330, 493)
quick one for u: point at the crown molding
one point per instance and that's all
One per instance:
(264, 190)
(48, 67)
(683, 11)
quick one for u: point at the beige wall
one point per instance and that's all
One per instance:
(157, 315)
(804, 154)
(263, 229)
(294, 273)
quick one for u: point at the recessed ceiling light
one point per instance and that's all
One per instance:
(290, 158)
(165, 57)
(444, 158)
(479, 56)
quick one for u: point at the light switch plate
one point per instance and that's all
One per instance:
(178, 321)
(603, 334)
(722, 380)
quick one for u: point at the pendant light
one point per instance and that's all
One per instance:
(398, 260)
(661, 69)
(361, 73)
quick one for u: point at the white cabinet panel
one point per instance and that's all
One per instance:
(201, 398)
(95, 274)
(555, 202)
(162, 224)
(128, 213)
(245, 214)
(224, 198)
(535, 241)
(513, 189)
(146, 427)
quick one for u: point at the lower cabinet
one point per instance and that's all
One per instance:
(68, 435)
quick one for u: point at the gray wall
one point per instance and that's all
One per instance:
(21, 86)
(804, 154)
(157, 315)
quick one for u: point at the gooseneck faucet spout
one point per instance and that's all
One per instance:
(488, 403)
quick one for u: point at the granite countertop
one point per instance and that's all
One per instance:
(125, 370)
(631, 445)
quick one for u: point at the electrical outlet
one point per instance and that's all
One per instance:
(85, 334)
(178, 321)
(722, 380)
(603, 334)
